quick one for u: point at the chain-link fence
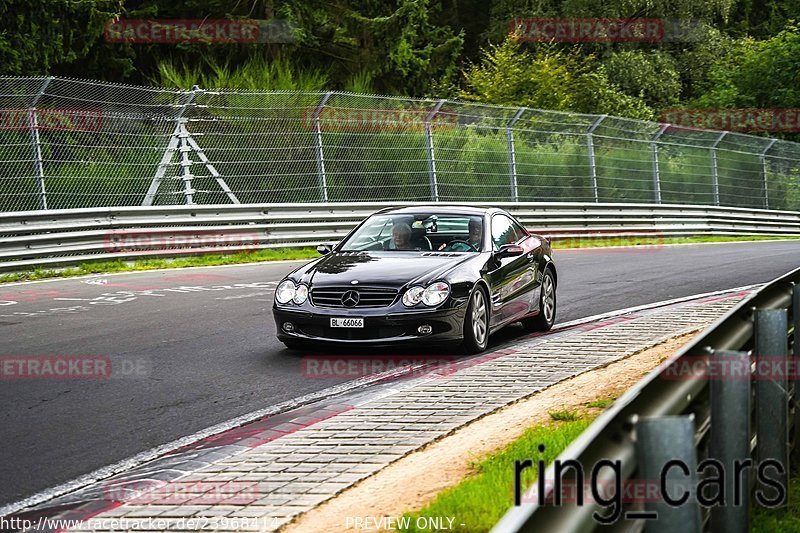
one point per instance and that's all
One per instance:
(68, 143)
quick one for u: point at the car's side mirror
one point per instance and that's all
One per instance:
(325, 248)
(509, 250)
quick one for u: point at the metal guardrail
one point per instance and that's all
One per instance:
(61, 237)
(709, 414)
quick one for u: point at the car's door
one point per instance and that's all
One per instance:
(512, 279)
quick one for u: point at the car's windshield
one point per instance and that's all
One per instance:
(414, 232)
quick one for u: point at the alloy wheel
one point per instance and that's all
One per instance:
(548, 298)
(479, 321)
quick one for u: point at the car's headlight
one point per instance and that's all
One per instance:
(285, 291)
(413, 296)
(300, 294)
(435, 293)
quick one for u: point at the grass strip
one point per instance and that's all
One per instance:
(769, 520)
(601, 242)
(481, 499)
(105, 267)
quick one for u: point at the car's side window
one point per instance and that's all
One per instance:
(503, 231)
(521, 232)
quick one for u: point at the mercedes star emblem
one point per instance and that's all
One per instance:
(350, 298)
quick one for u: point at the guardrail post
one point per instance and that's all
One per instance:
(730, 441)
(665, 452)
(592, 161)
(321, 175)
(796, 361)
(772, 392)
(431, 155)
(763, 160)
(38, 165)
(715, 169)
(512, 155)
(654, 156)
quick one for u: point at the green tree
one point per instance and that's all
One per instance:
(394, 44)
(652, 76)
(45, 37)
(548, 78)
(756, 73)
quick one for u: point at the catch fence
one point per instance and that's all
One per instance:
(67, 143)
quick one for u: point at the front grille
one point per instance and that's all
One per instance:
(368, 296)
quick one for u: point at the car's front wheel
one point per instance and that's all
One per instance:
(547, 305)
(476, 322)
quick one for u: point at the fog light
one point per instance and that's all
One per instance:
(288, 327)
(425, 329)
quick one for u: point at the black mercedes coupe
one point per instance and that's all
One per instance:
(429, 275)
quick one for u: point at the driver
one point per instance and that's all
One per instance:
(475, 233)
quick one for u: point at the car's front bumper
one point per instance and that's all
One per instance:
(382, 326)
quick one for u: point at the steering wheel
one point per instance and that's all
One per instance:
(459, 241)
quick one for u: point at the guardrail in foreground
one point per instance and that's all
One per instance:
(70, 236)
(743, 420)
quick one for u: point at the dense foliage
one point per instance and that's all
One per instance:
(739, 53)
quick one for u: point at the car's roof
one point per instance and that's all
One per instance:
(442, 208)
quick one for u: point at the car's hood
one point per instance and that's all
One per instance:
(385, 269)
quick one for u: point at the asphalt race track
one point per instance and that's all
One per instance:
(196, 347)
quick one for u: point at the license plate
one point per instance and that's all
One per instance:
(347, 322)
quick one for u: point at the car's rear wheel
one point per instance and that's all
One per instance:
(547, 305)
(476, 322)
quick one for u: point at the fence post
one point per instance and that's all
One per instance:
(660, 441)
(321, 175)
(714, 169)
(592, 162)
(730, 442)
(772, 393)
(172, 145)
(512, 154)
(38, 165)
(431, 156)
(763, 160)
(654, 155)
